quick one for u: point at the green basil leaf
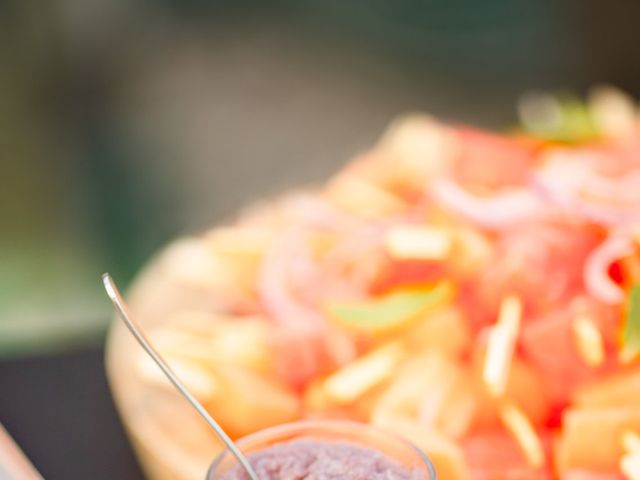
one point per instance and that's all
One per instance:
(631, 336)
(390, 310)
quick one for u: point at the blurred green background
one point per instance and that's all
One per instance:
(124, 123)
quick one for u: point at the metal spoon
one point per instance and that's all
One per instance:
(137, 332)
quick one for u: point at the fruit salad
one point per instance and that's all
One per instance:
(475, 292)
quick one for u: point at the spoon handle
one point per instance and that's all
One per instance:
(132, 325)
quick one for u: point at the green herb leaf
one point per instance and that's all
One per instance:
(631, 338)
(392, 310)
(563, 118)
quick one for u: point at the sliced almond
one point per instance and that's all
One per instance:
(519, 425)
(589, 342)
(630, 466)
(358, 377)
(418, 242)
(501, 346)
(631, 442)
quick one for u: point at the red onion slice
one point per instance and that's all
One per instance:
(275, 283)
(597, 280)
(499, 211)
(572, 182)
(304, 340)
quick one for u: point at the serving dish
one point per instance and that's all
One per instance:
(474, 292)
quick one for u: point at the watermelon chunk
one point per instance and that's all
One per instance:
(540, 262)
(522, 381)
(407, 273)
(590, 475)
(495, 455)
(489, 161)
(549, 344)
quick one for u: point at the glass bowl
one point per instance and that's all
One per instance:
(358, 434)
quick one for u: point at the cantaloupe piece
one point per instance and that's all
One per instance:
(316, 403)
(192, 263)
(209, 340)
(433, 390)
(621, 389)
(248, 401)
(591, 438)
(445, 455)
(444, 330)
(363, 197)
(413, 151)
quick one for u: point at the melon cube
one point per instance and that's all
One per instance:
(431, 389)
(444, 330)
(592, 437)
(248, 401)
(446, 456)
(621, 389)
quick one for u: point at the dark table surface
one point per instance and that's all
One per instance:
(59, 410)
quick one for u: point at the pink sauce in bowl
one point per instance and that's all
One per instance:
(326, 450)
